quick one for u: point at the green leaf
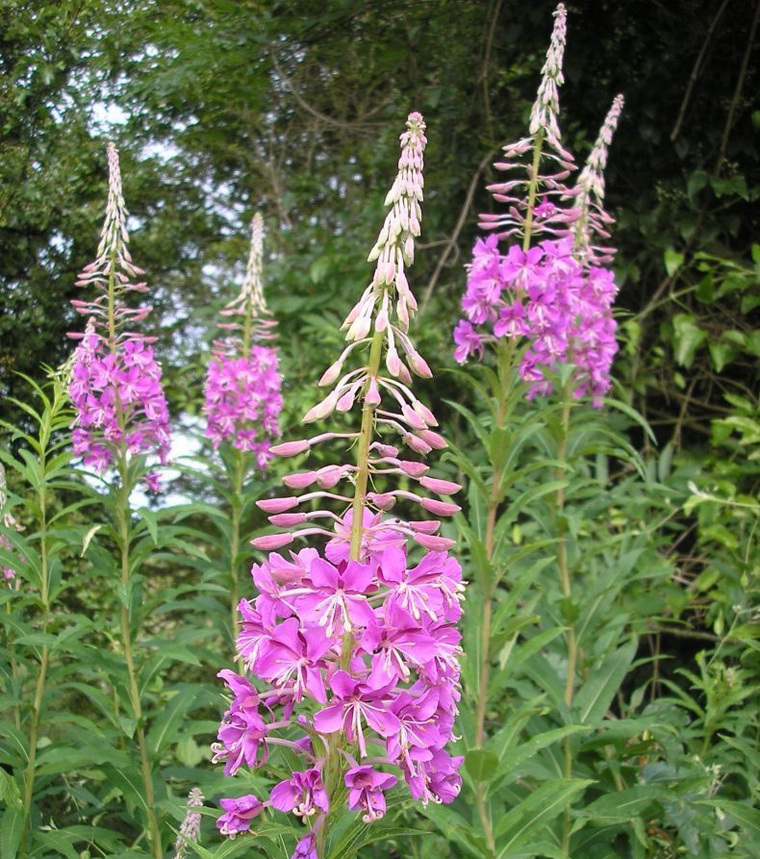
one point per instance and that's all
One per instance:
(597, 693)
(745, 815)
(622, 806)
(688, 337)
(172, 715)
(673, 261)
(11, 829)
(527, 820)
(480, 763)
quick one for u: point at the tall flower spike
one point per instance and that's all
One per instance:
(243, 399)
(115, 381)
(593, 220)
(355, 639)
(541, 202)
(554, 293)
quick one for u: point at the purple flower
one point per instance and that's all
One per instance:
(303, 793)
(238, 815)
(365, 790)
(306, 847)
(356, 703)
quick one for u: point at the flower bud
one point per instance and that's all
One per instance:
(288, 520)
(300, 480)
(442, 487)
(331, 374)
(290, 448)
(272, 541)
(433, 542)
(413, 469)
(372, 397)
(439, 508)
(277, 505)
(433, 439)
(382, 500)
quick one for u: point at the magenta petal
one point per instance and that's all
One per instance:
(329, 720)
(343, 685)
(284, 796)
(324, 575)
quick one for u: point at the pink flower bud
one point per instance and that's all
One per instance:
(393, 362)
(440, 508)
(277, 505)
(290, 448)
(412, 418)
(442, 487)
(424, 412)
(425, 526)
(272, 541)
(419, 365)
(433, 439)
(382, 500)
(329, 476)
(372, 397)
(300, 479)
(346, 401)
(321, 410)
(331, 374)
(434, 543)
(416, 443)
(413, 469)
(385, 449)
(288, 520)
(404, 374)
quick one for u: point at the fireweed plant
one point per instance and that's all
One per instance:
(121, 423)
(243, 400)
(539, 297)
(353, 642)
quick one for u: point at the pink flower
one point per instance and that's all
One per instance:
(365, 791)
(238, 814)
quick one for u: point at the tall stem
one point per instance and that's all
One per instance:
(362, 455)
(237, 515)
(39, 689)
(124, 528)
(504, 359)
(565, 584)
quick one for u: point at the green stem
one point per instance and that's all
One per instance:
(332, 764)
(237, 515)
(533, 188)
(124, 524)
(504, 358)
(566, 585)
(39, 689)
(362, 455)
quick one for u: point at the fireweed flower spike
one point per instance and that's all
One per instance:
(115, 380)
(356, 641)
(243, 399)
(593, 220)
(554, 293)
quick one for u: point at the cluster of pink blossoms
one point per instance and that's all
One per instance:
(357, 642)
(371, 646)
(557, 294)
(115, 383)
(547, 296)
(118, 396)
(243, 382)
